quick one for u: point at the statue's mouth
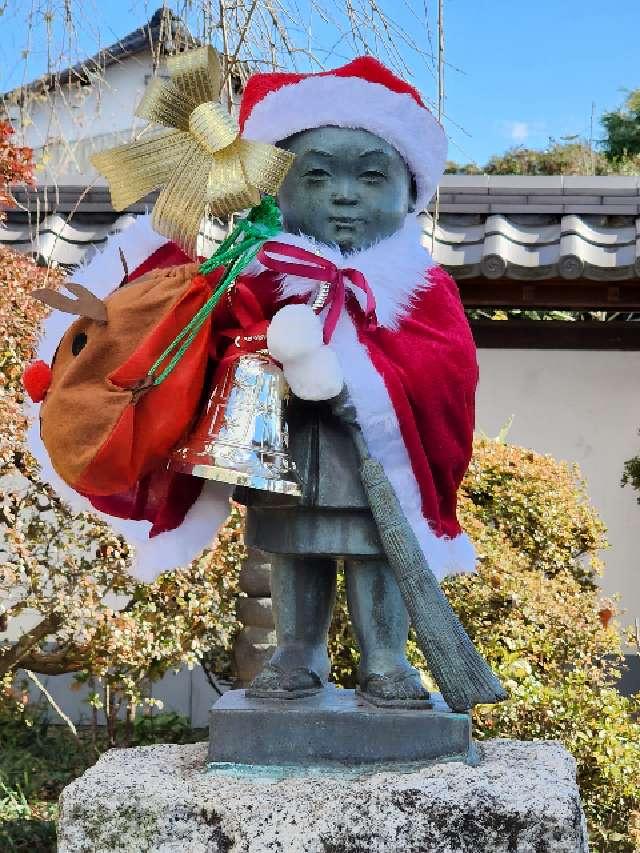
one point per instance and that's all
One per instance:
(345, 221)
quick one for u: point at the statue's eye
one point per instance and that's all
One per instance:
(373, 176)
(78, 343)
(317, 174)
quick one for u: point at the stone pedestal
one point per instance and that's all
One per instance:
(334, 727)
(522, 798)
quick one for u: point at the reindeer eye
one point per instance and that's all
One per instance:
(78, 343)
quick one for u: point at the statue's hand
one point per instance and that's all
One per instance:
(343, 408)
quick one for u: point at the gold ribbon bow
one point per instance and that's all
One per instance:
(201, 162)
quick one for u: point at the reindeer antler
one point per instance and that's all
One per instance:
(87, 304)
(125, 267)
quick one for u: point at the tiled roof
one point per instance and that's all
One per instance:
(539, 227)
(54, 237)
(490, 227)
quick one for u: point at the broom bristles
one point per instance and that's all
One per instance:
(463, 676)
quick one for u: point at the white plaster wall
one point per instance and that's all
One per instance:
(582, 407)
(76, 112)
(76, 121)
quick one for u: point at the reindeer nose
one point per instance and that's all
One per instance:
(36, 380)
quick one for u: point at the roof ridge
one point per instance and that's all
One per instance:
(137, 41)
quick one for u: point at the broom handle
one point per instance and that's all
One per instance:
(462, 674)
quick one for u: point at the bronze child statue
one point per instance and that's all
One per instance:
(351, 189)
(368, 157)
(375, 346)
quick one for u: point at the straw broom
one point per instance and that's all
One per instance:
(463, 676)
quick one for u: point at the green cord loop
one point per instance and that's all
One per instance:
(235, 253)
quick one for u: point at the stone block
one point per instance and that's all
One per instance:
(525, 183)
(334, 726)
(604, 184)
(255, 574)
(255, 612)
(252, 648)
(626, 199)
(603, 210)
(478, 184)
(454, 207)
(527, 207)
(522, 798)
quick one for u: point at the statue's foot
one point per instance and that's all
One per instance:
(274, 682)
(402, 687)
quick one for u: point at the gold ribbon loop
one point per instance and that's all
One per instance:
(212, 127)
(163, 104)
(264, 165)
(197, 74)
(201, 161)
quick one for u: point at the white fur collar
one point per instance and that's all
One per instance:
(394, 268)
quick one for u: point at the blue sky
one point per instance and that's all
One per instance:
(531, 70)
(518, 71)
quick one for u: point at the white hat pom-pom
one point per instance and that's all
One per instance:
(317, 376)
(295, 331)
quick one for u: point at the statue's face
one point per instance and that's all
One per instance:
(345, 186)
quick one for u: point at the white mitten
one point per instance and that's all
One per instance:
(316, 376)
(294, 331)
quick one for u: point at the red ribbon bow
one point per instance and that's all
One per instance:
(318, 268)
(251, 335)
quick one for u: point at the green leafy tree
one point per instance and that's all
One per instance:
(16, 166)
(622, 127)
(535, 612)
(568, 157)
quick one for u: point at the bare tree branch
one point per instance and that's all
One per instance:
(12, 656)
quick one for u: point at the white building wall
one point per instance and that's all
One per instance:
(75, 121)
(582, 407)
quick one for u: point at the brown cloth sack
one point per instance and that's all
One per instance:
(103, 436)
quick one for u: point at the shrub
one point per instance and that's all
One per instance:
(71, 568)
(631, 474)
(16, 166)
(534, 611)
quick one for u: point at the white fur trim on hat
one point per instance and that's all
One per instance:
(352, 102)
(294, 331)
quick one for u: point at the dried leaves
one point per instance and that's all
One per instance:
(16, 166)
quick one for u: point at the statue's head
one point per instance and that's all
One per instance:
(346, 186)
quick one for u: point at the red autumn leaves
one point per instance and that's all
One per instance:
(16, 166)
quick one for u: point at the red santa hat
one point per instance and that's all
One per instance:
(362, 94)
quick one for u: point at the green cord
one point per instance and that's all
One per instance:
(235, 253)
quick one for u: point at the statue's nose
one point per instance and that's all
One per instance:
(345, 192)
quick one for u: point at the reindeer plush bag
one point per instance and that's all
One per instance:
(105, 429)
(103, 426)
(98, 440)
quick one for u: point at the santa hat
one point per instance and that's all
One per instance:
(362, 94)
